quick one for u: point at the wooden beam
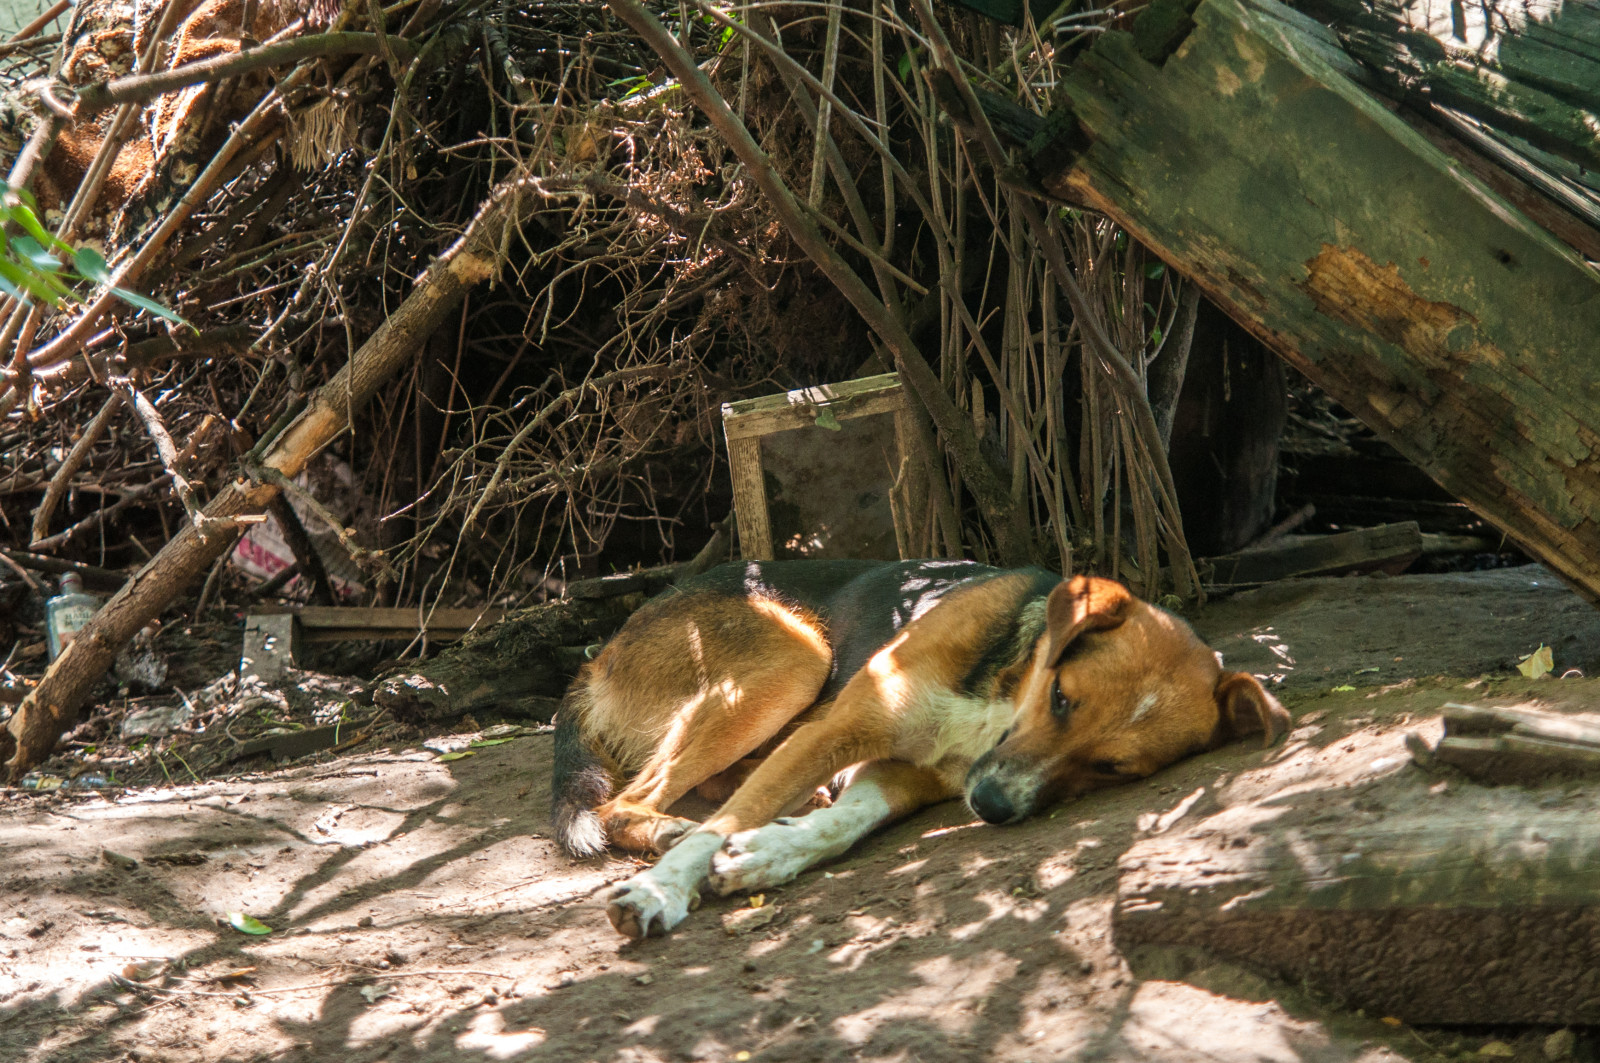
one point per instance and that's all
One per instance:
(1249, 158)
(323, 623)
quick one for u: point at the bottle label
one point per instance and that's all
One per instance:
(67, 621)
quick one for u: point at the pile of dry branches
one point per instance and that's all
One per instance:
(676, 204)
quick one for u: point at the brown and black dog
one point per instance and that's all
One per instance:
(909, 682)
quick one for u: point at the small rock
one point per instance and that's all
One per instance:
(744, 920)
(118, 861)
(364, 921)
(645, 979)
(1560, 1045)
(1498, 1050)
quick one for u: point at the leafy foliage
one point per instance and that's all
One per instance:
(34, 264)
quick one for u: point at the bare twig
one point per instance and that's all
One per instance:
(100, 516)
(49, 15)
(156, 428)
(72, 463)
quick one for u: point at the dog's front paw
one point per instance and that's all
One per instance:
(643, 906)
(767, 856)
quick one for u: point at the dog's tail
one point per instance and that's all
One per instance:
(580, 781)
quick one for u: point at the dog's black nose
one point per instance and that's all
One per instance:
(989, 801)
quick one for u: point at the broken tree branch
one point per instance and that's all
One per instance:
(166, 449)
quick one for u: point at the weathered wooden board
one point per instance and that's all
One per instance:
(1472, 905)
(326, 623)
(1390, 547)
(1460, 331)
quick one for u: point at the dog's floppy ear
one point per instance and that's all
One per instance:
(1246, 709)
(1082, 603)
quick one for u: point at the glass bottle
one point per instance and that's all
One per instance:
(68, 612)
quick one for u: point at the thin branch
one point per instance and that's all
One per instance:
(141, 87)
(100, 516)
(48, 16)
(156, 429)
(69, 468)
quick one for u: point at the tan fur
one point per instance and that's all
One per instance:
(690, 687)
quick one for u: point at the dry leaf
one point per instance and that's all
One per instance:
(1540, 662)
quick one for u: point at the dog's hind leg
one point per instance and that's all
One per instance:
(881, 792)
(760, 666)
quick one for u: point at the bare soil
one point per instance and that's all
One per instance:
(420, 913)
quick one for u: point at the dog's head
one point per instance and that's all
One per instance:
(1116, 689)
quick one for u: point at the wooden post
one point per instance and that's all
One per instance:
(1242, 149)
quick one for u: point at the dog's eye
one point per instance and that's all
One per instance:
(1109, 767)
(1061, 706)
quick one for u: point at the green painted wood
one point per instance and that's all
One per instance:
(1463, 333)
(1536, 77)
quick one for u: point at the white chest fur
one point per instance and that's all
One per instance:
(947, 731)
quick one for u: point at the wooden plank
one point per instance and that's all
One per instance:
(320, 623)
(801, 408)
(1469, 905)
(750, 498)
(1460, 331)
(1388, 546)
(384, 618)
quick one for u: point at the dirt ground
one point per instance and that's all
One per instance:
(420, 913)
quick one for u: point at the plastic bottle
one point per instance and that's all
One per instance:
(68, 612)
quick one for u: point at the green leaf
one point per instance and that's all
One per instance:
(484, 743)
(29, 248)
(445, 758)
(1155, 335)
(1154, 270)
(903, 67)
(24, 216)
(827, 419)
(35, 284)
(90, 263)
(248, 924)
(146, 303)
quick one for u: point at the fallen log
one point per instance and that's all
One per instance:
(1239, 144)
(1472, 905)
(52, 707)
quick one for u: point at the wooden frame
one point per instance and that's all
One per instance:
(744, 424)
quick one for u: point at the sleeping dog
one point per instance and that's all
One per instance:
(760, 683)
